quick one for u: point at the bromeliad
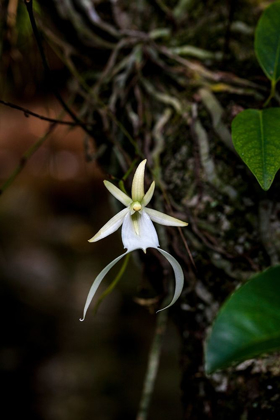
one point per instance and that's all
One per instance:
(138, 231)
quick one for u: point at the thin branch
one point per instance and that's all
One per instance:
(29, 7)
(187, 247)
(27, 155)
(27, 112)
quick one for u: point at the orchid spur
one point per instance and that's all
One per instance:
(138, 231)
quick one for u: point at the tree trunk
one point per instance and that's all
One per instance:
(163, 80)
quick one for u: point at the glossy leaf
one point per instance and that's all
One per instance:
(248, 324)
(256, 138)
(267, 41)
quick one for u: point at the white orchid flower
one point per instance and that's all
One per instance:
(138, 231)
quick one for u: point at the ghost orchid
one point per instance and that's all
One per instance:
(138, 231)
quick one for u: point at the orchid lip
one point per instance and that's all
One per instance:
(178, 274)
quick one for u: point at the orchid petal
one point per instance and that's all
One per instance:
(137, 190)
(149, 194)
(147, 236)
(97, 282)
(117, 193)
(179, 277)
(164, 219)
(111, 226)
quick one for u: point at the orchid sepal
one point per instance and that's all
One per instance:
(164, 219)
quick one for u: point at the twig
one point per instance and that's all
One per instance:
(27, 155)
(152, 367)
(187, 247)
(27, 112)
(29, 7)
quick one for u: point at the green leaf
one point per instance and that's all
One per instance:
(256, 138)
(267, 41)
(248, 324)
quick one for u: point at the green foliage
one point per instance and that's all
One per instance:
(267, 42)
(248, 323)
(255, 135)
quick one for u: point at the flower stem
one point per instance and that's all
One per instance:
(121, 182)
(112, 285)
